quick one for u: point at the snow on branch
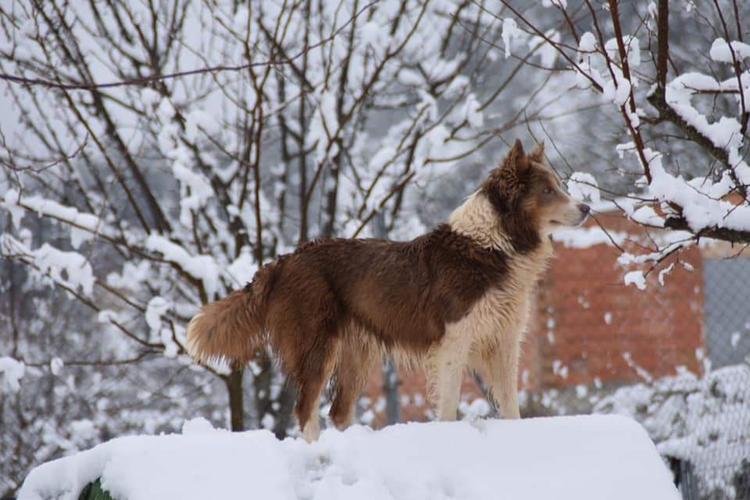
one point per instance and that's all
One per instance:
(140, 81)
(11, 371)
(724, 134)
(200, 267)
(721, 51)
(157, 309)
(69, 269)
(706, 205)
(82, 225)
(583, 187)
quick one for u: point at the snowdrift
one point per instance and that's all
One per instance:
(586, 457)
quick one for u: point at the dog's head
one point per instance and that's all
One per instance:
(529, 198)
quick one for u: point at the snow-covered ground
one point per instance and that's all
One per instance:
(585, 457)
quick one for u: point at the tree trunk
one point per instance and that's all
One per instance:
(286, 402)
(236, 406)
(391, 383)
(261, 387)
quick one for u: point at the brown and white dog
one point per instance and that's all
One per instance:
(457, 297)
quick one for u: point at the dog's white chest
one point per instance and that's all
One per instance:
(497, 314)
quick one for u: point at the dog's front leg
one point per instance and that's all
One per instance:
(501, 370)
(446, 369)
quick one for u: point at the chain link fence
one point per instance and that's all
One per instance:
(674, 356)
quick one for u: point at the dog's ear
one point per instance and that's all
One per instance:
(507, 182)
(538, 154)
(515, 157)
(513, 169)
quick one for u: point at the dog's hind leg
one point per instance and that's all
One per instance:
(311, 379)
(355, 361)
(312, 371)
(302, 320)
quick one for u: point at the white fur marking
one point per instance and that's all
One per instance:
(495, 325)
(476, 219)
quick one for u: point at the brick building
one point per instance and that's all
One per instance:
(592, 327)
(591, 330)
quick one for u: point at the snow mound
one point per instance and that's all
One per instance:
(587, 237)
(584, 457)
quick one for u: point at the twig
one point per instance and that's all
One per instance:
(169, 76)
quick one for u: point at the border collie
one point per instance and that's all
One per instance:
(458, 297)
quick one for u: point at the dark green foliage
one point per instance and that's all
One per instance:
(94, 491)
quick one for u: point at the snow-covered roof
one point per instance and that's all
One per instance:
(583, 457)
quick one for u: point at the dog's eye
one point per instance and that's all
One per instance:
(548, 190)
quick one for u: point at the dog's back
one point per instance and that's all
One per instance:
(402, 293)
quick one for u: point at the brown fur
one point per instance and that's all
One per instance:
(457, 293)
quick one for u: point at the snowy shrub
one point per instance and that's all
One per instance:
(701, 420)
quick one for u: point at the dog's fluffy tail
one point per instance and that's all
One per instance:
(230, 329)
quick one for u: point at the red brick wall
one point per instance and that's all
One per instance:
(588, 322)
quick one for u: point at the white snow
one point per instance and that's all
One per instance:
(70, 269)
(563, 4)
(632, 49)
(195, 189)
(617, 91)
(584, 457)
(510, 31)
(242, 269)
(150, 97)
(372, 34)
(639, 370)
(479, 408)
(547, 51)
(197, 120)
(735, 340)
(56, 365)
(323, 125)
(699, 209)
(157, 308)
(721, 52)
(636, 278)
(647, 215)
(582, 186)
(82, 225)
(472, 113)
(11, 371)
(559, 369)
(52, 209)
(587, 43)
(701, 198)
(202, 267)
(665, 272)
(587, 237)
(725, 132)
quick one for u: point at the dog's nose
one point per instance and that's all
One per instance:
(585, 209)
